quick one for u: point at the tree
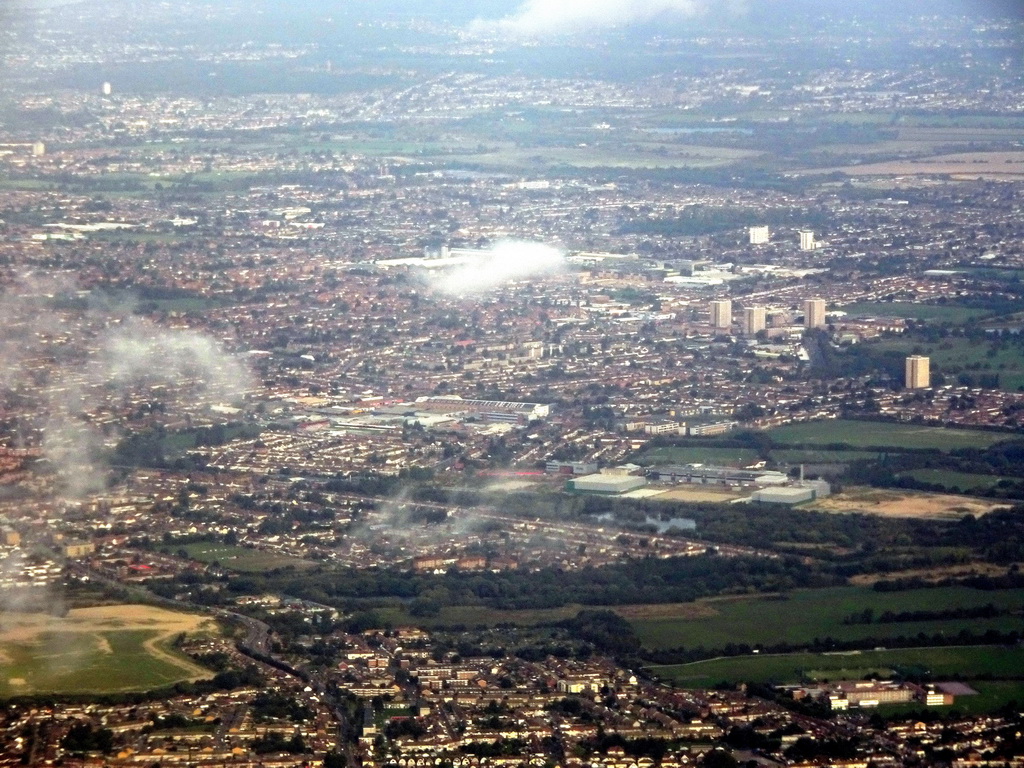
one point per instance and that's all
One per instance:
(719, 758)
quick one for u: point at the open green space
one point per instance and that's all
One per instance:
(965, 662)
(955, 357)
(1000, 274)
(948, 313)
(476, 615)
(646, 155)
(184, 305)
(75, 662)
(964, 481)
(243, 559)
(797, 456)
(870, 434)
(818, 613)
(32, 185)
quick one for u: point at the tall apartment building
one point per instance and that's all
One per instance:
(814, 313)
(754, 320)
(918, 374)
(807, 242)
(721, 314)
(759, 235)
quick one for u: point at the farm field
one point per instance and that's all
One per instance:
(243, 559)
(96, 650)
(871, 434)
(961, 661)
(970, 165)
(807, 614)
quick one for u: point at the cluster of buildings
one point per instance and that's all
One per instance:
(407, 700)
(868, 694)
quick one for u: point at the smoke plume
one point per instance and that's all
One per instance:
(504, 262)
(539, 18)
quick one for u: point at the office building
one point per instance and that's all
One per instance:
(918, 376)
(721, 314)
(807, 242)
(107, 89)
(759, 235)
(814, 313)
(754, 320)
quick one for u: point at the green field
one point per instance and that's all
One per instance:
(796, 456)
(696, 454)
(477, 615)
(960, 661)
(72, 662)
(945, 313)
(243, 559)
(91, 662)
(870, 434)
(956, 356)
(641, 155)
(807, 614)
(964, 481)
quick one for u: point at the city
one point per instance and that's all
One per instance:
(393, 387)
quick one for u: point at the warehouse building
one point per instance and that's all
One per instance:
(606, 483)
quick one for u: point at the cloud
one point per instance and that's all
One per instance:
(537, 18)
(63, 363)
(504, 262)
(138, 351)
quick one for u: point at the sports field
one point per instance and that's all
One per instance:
(243, 559)
(104, 649)
(698, 454)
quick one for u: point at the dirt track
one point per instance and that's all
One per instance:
(26, 627)
(908, 504)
